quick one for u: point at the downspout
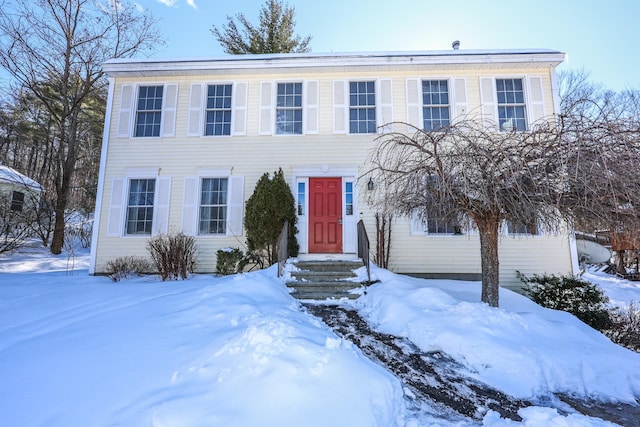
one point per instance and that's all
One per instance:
(101, 174)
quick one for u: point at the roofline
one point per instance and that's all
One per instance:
(115, 67)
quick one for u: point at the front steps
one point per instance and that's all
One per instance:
(322, 280)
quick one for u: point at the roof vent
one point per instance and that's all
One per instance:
(456, 45)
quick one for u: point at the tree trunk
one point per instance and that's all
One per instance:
(488, 229)
(620, 265)
(67, 164)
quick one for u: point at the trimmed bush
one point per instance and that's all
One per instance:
(584, 300)
(127, 266)
(270, 205)
(229, 261)
(173, 255)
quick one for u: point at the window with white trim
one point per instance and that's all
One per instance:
(140, 206)
(213, 206)
(17, 201)
(511, 105)
(149, 111)
(435, 104)
(362, 107)
(289, 109)
(218, 110)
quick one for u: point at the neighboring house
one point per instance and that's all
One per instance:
(19, 192)
(186, 140)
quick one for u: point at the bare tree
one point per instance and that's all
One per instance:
(574, 169)
(273, 34)
(465, 172)
(55, 50)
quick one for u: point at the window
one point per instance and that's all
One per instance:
(301, 197)
(289, 109)
(511, 106)
(140, 206)
(348, 195)
(441, 226)
(435, 101)
(519, 227)
(213, 206)
(362, 107)
(218, 111)
(149, 111)
(17, 201)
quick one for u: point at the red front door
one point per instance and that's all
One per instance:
(325, 219)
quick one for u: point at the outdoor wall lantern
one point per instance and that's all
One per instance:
(370, 184)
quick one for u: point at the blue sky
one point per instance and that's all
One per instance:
(599, 36)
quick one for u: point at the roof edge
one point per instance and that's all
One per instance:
(293, 60)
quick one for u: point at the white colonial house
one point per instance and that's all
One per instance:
(186, 140)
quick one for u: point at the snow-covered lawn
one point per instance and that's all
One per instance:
(77, 350)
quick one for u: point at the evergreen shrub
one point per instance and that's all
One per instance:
(584, 300)
(229, 261)
(270, 205)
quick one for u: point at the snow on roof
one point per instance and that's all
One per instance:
(12, 176)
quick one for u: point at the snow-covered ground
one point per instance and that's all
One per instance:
(77, 350)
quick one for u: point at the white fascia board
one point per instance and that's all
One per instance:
(123, 67)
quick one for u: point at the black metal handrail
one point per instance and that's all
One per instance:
(282, 247)
(363, 248)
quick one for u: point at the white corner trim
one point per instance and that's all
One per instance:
(103, 163)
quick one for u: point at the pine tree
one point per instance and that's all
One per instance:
(270, 205)
(273, 34)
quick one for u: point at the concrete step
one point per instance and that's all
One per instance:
(319, 295)
(334, 266)
(303, 275)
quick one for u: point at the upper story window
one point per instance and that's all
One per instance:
(149, 111)
(218, 110)
(213, 206)
(140, 206)
(511, 105)
(289, 109)
(17, 201)
(435, 101)
(362, 107)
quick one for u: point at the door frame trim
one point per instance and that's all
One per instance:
(349, 225)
